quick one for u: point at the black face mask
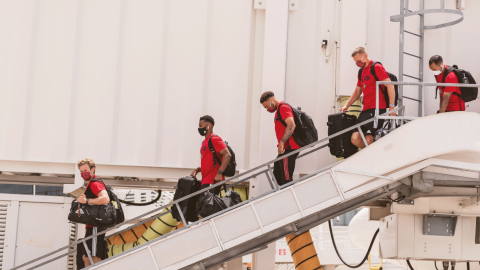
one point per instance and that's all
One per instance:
(202, 131)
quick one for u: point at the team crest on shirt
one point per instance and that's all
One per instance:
(366, 78)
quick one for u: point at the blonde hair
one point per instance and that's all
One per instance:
(358, 50)
(87, 161)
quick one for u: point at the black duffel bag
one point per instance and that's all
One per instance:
(210, 204)
(231, 197)
(93, 215)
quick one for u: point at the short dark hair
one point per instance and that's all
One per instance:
(437, 59)
(208, 118)
(266, 96)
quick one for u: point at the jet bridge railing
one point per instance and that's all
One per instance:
(422, 98)
(265, 168)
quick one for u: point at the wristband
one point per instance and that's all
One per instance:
(87, 201)
(220, 172)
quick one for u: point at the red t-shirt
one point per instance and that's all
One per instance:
(368, 84)
(455, 103)
(208, 170)
(285, 112)
(95, 187)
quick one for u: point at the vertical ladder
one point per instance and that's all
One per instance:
(406, 12)
(403, 10)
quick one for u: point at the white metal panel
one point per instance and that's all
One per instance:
(353, 35)
(365, 187)
(195, 241)
(275, 208)
(313, 88)
(406, 235)
(112, 80)
(236, 223)
(322, 205)
(470, 250)
(438, 247)
(242, 239)
(197, 257)
(388, 237)
(140, 259)
(308, 192)
(40, 232)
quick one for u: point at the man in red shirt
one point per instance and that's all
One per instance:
(367, 85)
(282, 170)
(211, 174)
(95, 194)
(450, 100)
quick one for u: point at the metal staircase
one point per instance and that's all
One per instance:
(371, 174)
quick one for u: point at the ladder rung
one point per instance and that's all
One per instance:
(412, 33)
(412, 99)
(412, 11)
(413, 55)
(411, 77)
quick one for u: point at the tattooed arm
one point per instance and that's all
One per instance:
(288, 132)
(445, 100)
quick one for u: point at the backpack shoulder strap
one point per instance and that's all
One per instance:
(382, 87)
(436, 88)
(372, 70)
(96, 179)
(279, 116)
(360, 74)
(214, 153)
(107, 188)
(447, 72)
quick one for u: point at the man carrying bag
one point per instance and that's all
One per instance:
(95, 194)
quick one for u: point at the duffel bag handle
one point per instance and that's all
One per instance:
(225, 190)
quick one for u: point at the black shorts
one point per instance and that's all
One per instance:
(97, 245)
(368, 129)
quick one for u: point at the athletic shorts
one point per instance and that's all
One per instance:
(368, 129)
(97, 245)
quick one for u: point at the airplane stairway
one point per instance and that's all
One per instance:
(438, 142)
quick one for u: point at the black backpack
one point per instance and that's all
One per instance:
(467, 93)
(383, 88)
(232, 165)
(305, 131)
